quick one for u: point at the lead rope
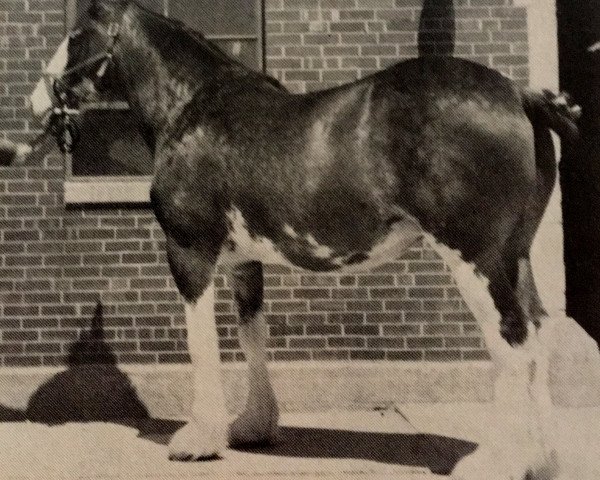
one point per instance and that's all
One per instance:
(61, 124)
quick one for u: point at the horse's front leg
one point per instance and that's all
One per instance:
(258, 422)
(205, 435)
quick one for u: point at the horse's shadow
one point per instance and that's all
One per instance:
(438, 453)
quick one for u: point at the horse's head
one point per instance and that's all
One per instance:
(82, 68)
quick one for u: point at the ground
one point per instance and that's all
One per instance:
(404, 442)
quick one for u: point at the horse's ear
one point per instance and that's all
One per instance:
(100, 11)
(93, 9)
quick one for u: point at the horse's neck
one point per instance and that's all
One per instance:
(160, 72)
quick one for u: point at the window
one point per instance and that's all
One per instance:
(111, 163)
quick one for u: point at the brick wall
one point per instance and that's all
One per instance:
(57, 263)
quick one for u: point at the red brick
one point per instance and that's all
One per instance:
(346, 342)
(405, 355)
(441, 329)
(357, 14)
(388, 293)
(307, 343)
(24, 361)
(395, 317)
(367, 354)
(401, 330)
(422, 317)
(21, 310)
(327, 305)
(291, 355)
(157, 346)
(382, 342)
(308, 318)
(442, 355)
(330, 355)
(312, 293)
(345, 318)
(11, 348)
(405, 305)
(475, 355)
(19, 335)
(285, 330)
(425, 342)
(361, 329)
(289, 306)
(318, 280)
(415, 292)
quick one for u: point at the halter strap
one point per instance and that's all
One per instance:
(60, 124)
(105, 57)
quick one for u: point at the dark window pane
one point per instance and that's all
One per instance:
(110, 146)
(157, 6)
(217, 17)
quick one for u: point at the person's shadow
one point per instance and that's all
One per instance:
(91, 389)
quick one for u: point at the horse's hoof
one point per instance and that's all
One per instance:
(198, 440)
(255, 426)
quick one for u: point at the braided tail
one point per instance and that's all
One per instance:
(557, 112)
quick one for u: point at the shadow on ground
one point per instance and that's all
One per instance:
(439, 454)
(11, 415)
(92, 389)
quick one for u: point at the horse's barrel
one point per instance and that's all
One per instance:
(13, 153)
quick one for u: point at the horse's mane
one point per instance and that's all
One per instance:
(199, 39)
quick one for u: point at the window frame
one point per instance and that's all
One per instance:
(133, 189)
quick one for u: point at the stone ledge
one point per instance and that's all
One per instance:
(166, 390)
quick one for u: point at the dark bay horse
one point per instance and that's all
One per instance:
(337, 180)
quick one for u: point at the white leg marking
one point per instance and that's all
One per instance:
(206, 433)
(518, 443)
(258, 422)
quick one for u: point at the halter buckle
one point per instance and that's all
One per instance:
(113, 29)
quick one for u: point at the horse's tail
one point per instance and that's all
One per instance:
(557, 112)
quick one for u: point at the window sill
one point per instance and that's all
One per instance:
(107, 192)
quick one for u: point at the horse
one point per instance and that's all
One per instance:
(435, 149)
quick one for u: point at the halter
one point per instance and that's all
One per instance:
(60, 123)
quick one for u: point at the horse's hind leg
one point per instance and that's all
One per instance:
(516, 448)
(258, 422)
